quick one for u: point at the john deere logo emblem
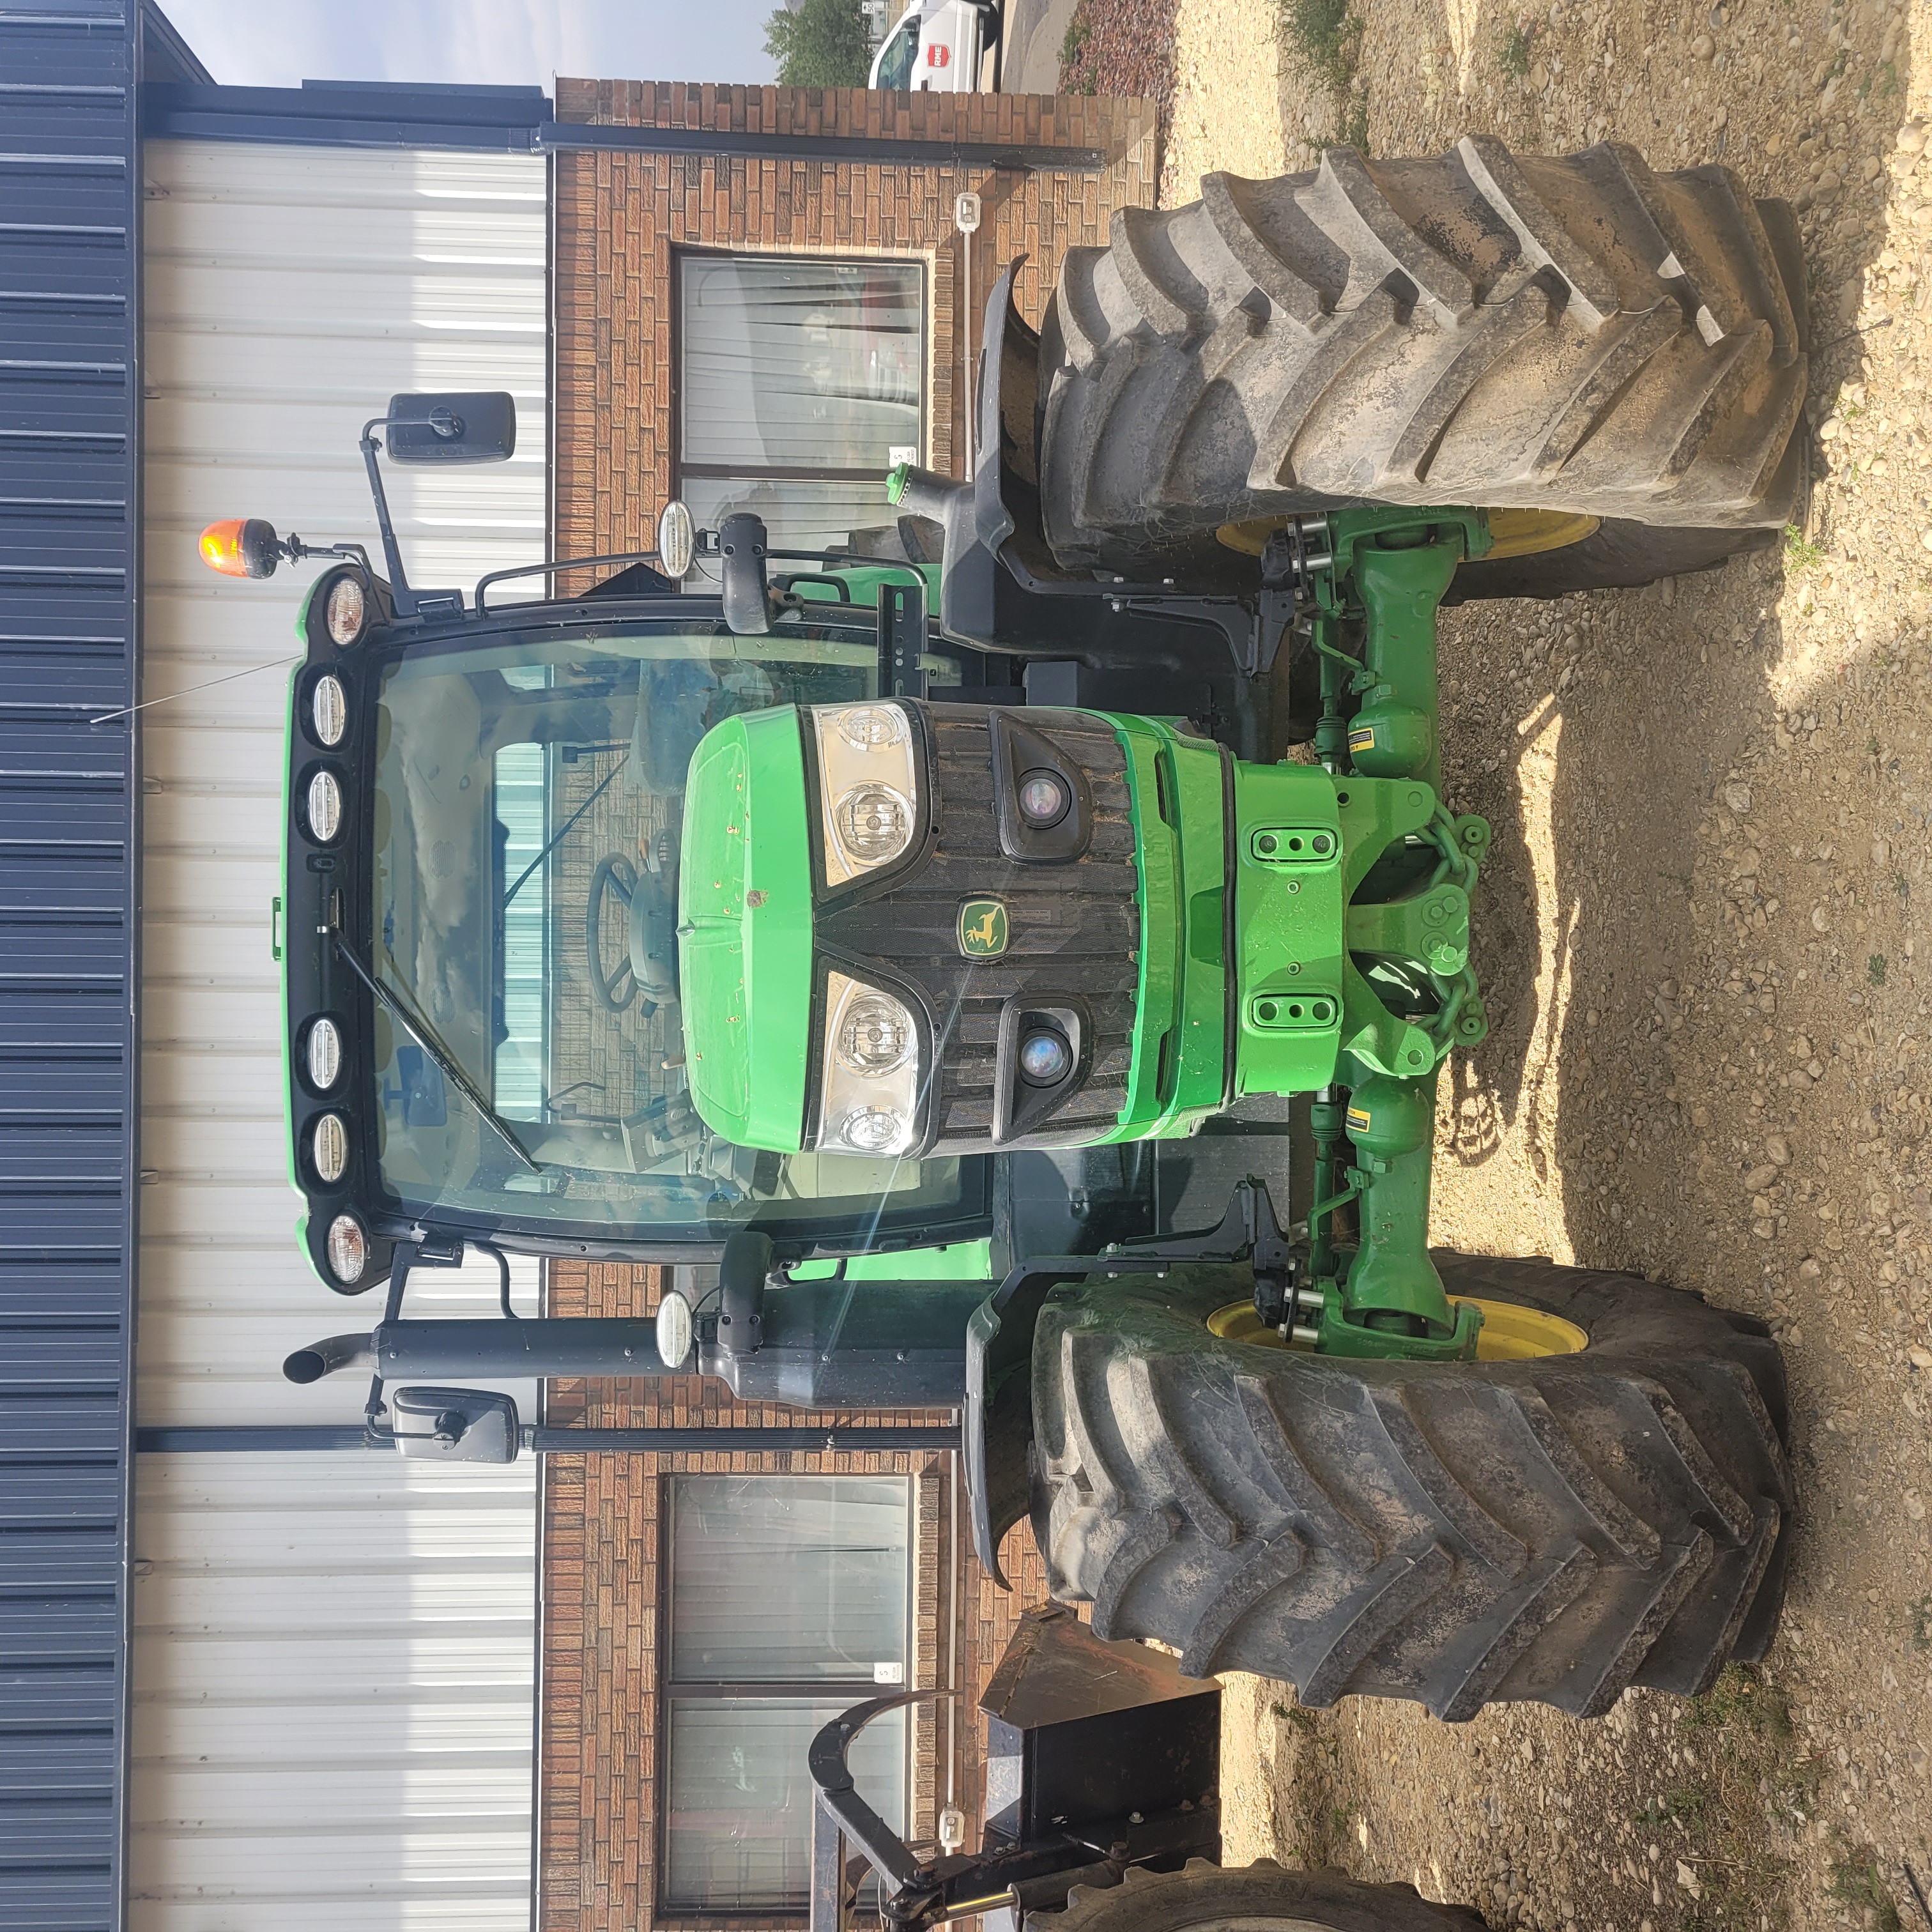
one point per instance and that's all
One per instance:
(982, 929)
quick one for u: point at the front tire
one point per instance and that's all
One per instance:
(1576, 333)
(1259, 1897)
(1550, 1527)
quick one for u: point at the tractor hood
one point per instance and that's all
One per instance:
(744, 928)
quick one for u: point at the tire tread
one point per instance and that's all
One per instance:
(1576, 333)
(1556, 1529)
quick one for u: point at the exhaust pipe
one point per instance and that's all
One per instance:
(332, 1352)
(487, 1350)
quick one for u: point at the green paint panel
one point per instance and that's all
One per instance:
(1377, 814)
(1395, 733)
(1288, 901)
(962, 1261)
(1177, 1075)
(291, 739)
(1432, 926)
(862, 584)
(745, 929)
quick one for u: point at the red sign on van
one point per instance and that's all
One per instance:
(938, 56)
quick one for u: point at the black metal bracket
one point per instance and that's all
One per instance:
(551, 566)
(901, 640)
(1107, 1759)
(407, 602)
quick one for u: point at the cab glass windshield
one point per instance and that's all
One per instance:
(527, 809)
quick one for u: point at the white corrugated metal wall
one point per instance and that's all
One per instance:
(333, 1660)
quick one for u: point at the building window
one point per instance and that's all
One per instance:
(790, 1601)
(801, 384)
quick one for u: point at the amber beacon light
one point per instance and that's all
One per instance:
(242, 547)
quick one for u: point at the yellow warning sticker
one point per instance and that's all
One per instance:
(1362, 738)
(1358, 1118)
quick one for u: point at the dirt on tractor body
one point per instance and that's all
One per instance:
(1701, 938)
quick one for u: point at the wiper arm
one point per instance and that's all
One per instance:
(419, 1032)
(523, 877)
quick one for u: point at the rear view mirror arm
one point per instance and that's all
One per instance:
(404, 597)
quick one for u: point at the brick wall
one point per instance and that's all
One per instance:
(602, 1559)
(619, 219)
(620, 216)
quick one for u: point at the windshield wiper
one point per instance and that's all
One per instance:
(419, 1032)
(523, 876)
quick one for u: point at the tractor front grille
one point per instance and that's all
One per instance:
(1073, 929)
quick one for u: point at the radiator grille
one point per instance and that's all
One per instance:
(1073, 929)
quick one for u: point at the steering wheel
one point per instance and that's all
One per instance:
(617, 991)
(650, 933)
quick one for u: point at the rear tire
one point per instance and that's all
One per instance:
(1575, 333)
(1260, 1897)
(1554, 1528)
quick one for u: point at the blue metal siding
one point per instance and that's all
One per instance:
(70, 400)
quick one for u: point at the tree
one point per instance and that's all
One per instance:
(823, 44)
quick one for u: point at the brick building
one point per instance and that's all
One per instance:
(753, 244)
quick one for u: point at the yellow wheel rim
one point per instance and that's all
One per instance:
(1238, 1322)
(1511, 1332)
(1528, 532)
(1248, 538)
(1512, 533)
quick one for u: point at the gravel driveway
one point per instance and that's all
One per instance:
(1703, 938)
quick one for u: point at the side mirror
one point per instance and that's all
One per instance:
(742, 546)
(460, 426)
(453, 1425)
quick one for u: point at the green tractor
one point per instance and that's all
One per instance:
(1018, 949)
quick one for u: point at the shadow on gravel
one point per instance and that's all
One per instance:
(1672, 697)
(1596, 791)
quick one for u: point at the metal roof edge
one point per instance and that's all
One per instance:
(347, 115)
(165, 52)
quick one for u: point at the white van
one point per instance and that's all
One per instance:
(939, 47)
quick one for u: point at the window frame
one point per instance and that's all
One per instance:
(665, 1913)
(753, 473)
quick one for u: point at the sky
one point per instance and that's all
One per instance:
(281, 42)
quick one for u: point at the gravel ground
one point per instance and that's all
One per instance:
(1124, 47)
(1702, 935)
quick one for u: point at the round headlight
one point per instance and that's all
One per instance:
(1045, 1058)
(328, 1148)
(346, 612)
(875, 1130)
(348, 1248)
(324, 807)
(324, 1054)
(329, 709)
(1044, 798)
(873, 822)
(870, 727)
(875, 1034)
